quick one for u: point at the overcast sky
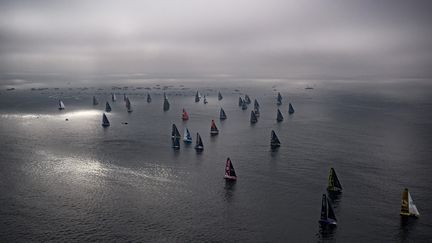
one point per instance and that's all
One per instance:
(266, 38)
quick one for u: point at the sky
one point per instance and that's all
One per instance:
(223, 38)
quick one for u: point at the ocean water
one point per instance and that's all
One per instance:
(77, 181)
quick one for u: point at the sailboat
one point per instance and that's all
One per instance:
(166, 104)
(197, 96)
(247, 99)
(244, 105)
(333, 182)
(279, 117)
(149, 99)
(256, 104)
(220, 96)
(274, 140)
(279, 99)
(222, 114)
(408, 207)
(61, 105)
(175, 143)
(328, 216)
(128, 105)
(187, 138)
(253, 118)
(290, 109)
(230, 173)
(124, 97)
(95, 101)
(213, 129)
(107, 107)
(240, 103)
(113, 97)
(185, 115)
(205, 100)
(175, 132)
(105, 122)
(199, 144)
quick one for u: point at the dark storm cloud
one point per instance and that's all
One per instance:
(196, 37)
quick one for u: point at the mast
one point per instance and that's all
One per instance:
(279, 117)
(107, 107)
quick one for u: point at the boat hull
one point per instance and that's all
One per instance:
(214, 133)
(105, 124)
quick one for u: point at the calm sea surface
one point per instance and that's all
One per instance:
(77, 181)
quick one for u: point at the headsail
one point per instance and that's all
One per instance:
(333, 182)
(290, 109)
(279, 117)
(213, 129)
(107, 107)
(274, 140)
(105, 122)
(222, 114)
(230, 173)
(253, 118)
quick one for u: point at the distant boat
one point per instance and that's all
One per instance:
(124, 97)
(279, 117)
(230, 173)
(113, 97)
(149, 99)
(244, 105)
(253, 118)
(187, 138)
(175, 143)
(333, 182)
(197, 96)
(95, 101)
(199, 144)
(61, 105)
(279, 99)
(175, 132)
(107, 107)
(309, 87)
(274, 140)
(205, 100)
(247, 99)
(328, 216)
(185, 115)
(213, 129)
(408, 207)
(105, 122)
(220, 96)
(240, 103)
(256, 108)
(222, 114)
(128, 105)
(166, 104)
(290, 109)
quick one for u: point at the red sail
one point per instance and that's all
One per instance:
(185, 115)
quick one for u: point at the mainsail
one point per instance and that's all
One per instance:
(107, 107)
(166, 104)
(327, 214)
(174, 132)
(199, 144)
(230, 173)
(253, 118)
(128, 105)
(279, 117)
(213, 129)
(105, 122)
(274, 140)
(220, 96)
(222, 114)
(187, 138)
(408, 208)
(185, 115)
(333, 182)
(290, 109)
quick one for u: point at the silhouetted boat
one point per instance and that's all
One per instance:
(213, 129)
(222, 114)
(244, 105)
(230, 173)
(408, 207)
(328, 216)
(205, 100)
(166, 104)
(290, 109)
(279, 117)
(95, 101)
(107, 107)
(240, 103)
(128, 105)
(113, 97)
(61, 105)
(175, 143)
(175, 132)
(105, 122)
(197, 96)
(256, 108)
(253, 118)
(187, 138)
(274, 140)
(149, 99)
(333, 182)
(199, 144)
(279, 99)
(247, 99)
(185, 115)
(220, 96)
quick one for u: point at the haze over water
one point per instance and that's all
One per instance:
(77, 181)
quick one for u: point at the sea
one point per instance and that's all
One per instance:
(65, 178)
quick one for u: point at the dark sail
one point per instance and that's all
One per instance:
(166, 104)
(279, 99)
(324, 207)
(107, 107)
(105, 121)
(174, 132)
(199, 144)
(220, 96)
(279, 117)
(149, 99)
(244, 105)
(176, 143)
(229, 170)
(232, 171)
(256, 104)
(333, 181)
(128, 105)
(113, 97)
(240, 101)
(331, 214)
(274, 141)
(253, 118)
(197, 98)
(247, 99)
(290, 109)
(222, 114)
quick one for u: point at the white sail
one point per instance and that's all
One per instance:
(412, 207)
